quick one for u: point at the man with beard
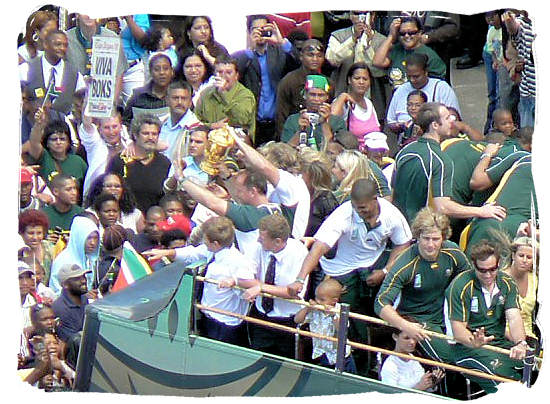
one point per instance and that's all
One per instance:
(315, 121)
(181, 118)
(423, 173)
(147, 169)
(71, 304)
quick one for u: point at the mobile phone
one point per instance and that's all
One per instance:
(267, 33)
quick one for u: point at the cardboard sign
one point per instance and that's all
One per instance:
(101, 92)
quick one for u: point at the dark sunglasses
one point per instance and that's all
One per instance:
(485, 270)
(410, 33)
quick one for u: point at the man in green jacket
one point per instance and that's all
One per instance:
(228, 101)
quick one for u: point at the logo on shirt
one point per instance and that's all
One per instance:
(495, 363)
(474, 305)
(418, 281)
(500, 300)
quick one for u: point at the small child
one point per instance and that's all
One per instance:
(46, 294)
(504, 122)
(409, 131)
(407, 372)
(327, 294)
(160, 40)
(226, 265)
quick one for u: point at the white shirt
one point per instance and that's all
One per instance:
(436, 90)
(358, 247)
(288, 265)
(291, 191)
(228, 263)
(46, 71)
(398, 372)
(97, 153)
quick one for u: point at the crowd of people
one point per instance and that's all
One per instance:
(335, 169)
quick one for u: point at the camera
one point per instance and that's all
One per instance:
(267, 33)
(313, 118)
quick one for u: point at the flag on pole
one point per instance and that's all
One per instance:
(132, 267)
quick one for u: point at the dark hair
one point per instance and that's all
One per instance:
(193, 52)
(36, 22)
(35, 309)
(33, 217)
(151, 42)
(170, 235)
(55, 32)
(226, 60)
(56, 126)
(127, 201)
(60, 179)
(417, 59)
(140, 120)
(102, 198)
(297, 35)
(525, 136)
(180, 85)
(158, 56)
(428, 113)
(483, 250)
(346, 139)
(114, 237)
(415, 20)
(169, 197)
(251, 18)
(419, 93)
(357, 66)
(189, 23)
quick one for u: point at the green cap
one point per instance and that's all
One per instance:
(317, 81)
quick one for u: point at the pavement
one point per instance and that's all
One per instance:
(470, 86)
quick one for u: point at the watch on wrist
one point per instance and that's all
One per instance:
(300, 280)
(522, 342)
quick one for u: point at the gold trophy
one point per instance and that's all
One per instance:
(219, 143)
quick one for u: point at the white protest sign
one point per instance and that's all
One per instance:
(101, 92)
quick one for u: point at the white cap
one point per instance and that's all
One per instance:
(376, 140)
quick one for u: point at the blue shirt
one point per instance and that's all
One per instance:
(193, 170)
(170, 133)
(131, 46)
(267, 102)
(71, 315)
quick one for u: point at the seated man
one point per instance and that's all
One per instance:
(314, 126)
(228, 101)
(481, 302)
(150, 237)
(419, 276)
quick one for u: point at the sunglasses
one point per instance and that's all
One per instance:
(485, 270)
(410, 33)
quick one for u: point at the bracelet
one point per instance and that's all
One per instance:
(522, 342)
(300, 280)
(385, 271)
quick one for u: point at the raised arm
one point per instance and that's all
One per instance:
(480, 180)
(259, 162)
(35, 147)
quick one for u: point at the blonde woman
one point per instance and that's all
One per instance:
(351, 165)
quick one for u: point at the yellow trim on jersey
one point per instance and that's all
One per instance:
(414, 261)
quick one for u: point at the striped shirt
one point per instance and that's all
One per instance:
(523, 41)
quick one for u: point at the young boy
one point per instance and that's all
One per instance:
(226, 265)
(492, 57)
(327, 294)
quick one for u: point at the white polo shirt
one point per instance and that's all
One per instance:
(358, 247)
(228, 263)
(291, 191)
(288, 265)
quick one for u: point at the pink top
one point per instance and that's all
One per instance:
(362, 121)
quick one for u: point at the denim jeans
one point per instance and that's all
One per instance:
(492, 89)
(526, 110)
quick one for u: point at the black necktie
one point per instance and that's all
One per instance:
(199, 286)
(52, 77)
(267, 302)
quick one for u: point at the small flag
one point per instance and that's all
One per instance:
(132, 267)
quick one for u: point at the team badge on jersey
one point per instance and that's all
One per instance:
(496, 363)
(474, 305)
(418, 281)
(501, 299)
(448, 272)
